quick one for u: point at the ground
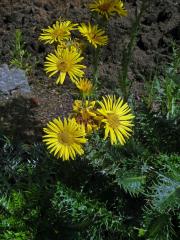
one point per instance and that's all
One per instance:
(26, 116)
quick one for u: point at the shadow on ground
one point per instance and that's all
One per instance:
(17, 120)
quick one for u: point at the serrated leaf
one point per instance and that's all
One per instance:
(167, 194)
(160, 228)
(131, 182)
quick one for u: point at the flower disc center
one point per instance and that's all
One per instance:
(105, 7)
(58, 32)
(113, 120)
(66, 138)
(62, 66)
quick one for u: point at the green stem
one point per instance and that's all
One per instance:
(128, 51)
(96, 65)
(83, 100)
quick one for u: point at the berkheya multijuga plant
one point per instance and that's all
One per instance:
(65, 138)
(124, 82)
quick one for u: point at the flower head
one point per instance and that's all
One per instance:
(85, 114)
(85, 86)
(108, 8)
(64, 61)
(58, 32)
(117, 119)
(65, 139)
(103, 7)
(93, 34)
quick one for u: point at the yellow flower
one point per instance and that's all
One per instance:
(65, 139)
(108, 8)
(58, 32)
(93, 34)
(117, 119)
(85, 86)
(64, 61)
(119, 8)
(103, 7)
(85, 114)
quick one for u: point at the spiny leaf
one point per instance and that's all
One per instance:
(81, 213)
(167, 194)
(131, 182)
(160, 228)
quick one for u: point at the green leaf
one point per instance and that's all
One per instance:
(160, 228)
(167, 193)
(90, 217)
(131, 182)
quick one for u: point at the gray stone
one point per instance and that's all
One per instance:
(13, 80)
(4, 78)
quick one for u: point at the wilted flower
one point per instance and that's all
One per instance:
(85, 114)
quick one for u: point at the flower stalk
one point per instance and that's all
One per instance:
(125, 84)
(96, 52)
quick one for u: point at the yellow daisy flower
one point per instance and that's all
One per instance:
(119, 8)
(93, 34)
(102, 7)
(117, 119)
(64, 61)
(65, 139)
(85, 114)
(58, 32)
(85, 86)
(108, 8)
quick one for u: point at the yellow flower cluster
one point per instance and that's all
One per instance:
(65, 137)
(67, 58)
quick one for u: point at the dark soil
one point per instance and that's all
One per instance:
(159, 26)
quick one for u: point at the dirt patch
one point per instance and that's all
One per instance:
(159, 26)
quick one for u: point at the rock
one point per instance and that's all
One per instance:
(4, 78)
(13, 80)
